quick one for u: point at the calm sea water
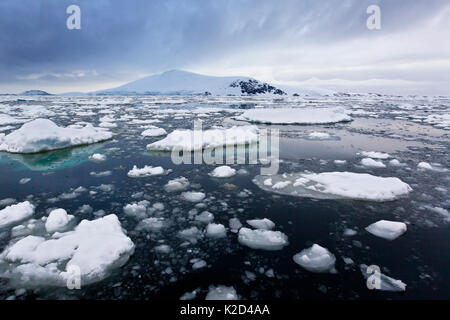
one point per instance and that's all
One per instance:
(420, 258)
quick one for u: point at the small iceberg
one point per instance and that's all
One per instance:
(262, 239)
(44, 135)
(336, 185)
(93, 248)
(316, 259)
(296, 116)
(385, 283)
(389, 230)
(189, 140)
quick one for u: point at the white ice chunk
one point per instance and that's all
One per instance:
(216, 231)
(154, 132)
(316, 259)
(94, 248)
(146, 171)
(223, 172)
(370, 163)
(296, 115)
(43, 135)
(189, 140)
(375, 154)
(336, 185)
(178, 184)
(57, 220)
(389, 230)
(15, 213)
(221, 293)
(264, 224)
(97, 157)
(262, 239)
(193, 196)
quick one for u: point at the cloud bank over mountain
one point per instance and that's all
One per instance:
(297, 43)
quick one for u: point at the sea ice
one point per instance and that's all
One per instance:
(189, 140)
(336, 185)
(15, 213)
(262, 239)
(375, 155)
(389, 230)
(316, 259)
(221, 293)
(154, 132)
(94, 248)
(295, 115)
(223, 172)
(97, 157)
(178, 184)
(193, 196)
(370, 163)
(43, 135)
(264, 224)
(146, 171)
(216, 231)
(57, 220)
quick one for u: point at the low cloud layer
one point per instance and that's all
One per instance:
(300, 43)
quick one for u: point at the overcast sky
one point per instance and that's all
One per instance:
(303, 43)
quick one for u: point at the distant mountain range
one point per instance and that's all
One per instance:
(177, 82)
(35, 93)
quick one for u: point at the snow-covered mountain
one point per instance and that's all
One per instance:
(176, 82)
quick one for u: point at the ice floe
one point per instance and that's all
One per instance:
(316, 259)
(389, 230)
(385, 283)
(370, 163)
(97, 157)
(375, 155)
(265, 224)
(178, 184)
(262, 239)
(337, 185)
(295, 115)
(146, 171)
(216, 231)
(154, 132)
(57, 220)
(94, 248)
(193, 196)
(189, 140)
(15, 213)
(43, 135)
(223, 172)
(221, 293)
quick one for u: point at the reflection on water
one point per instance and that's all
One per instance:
(53, 160)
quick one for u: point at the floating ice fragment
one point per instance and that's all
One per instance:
(264, 224)
(221, 293)
(43, 135)
(193, 196)
(296, 115)
(57, 220)
(389, 230)
(146, 171)
(316, 259)
(15, 213)
(262, 239)
(337, 185)
(223, 172)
